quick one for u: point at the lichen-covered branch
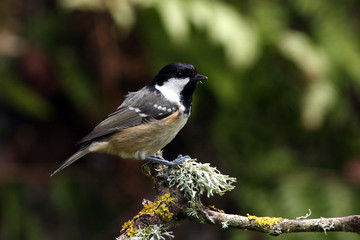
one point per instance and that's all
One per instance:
(276, 226)
(178, 198)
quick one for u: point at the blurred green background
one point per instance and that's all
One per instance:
(280, 110)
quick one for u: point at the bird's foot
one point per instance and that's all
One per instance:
(161, 160)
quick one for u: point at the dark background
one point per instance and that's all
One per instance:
(280, 110)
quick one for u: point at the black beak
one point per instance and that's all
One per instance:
(199, 78)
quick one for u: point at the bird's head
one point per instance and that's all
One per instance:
(177, 81)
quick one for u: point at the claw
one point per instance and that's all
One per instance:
(167, 173)
(180, 159)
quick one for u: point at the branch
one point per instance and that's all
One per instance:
(277, 226)
(179, 198)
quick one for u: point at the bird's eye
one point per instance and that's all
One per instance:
(179, 74)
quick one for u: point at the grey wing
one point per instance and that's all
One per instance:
(138, 108)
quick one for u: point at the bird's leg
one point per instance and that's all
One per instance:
(157, 155)
(160, 159)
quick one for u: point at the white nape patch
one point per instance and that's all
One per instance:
(172, 88)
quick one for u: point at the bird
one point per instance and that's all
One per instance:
(147, 120)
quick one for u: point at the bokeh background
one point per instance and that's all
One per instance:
(280, 110)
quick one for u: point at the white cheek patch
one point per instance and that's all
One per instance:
(172, 88)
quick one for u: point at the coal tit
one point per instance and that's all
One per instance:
(147, 120)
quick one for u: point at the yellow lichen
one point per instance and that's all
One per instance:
(147, 170)
(264, 221)
(158, 207)
(129, 228)
(212, 207)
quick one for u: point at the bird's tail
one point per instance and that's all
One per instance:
(70, 160)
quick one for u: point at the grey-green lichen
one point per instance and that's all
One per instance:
(306, 215)
(154, 232)
(325, 225)
(195, 179)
